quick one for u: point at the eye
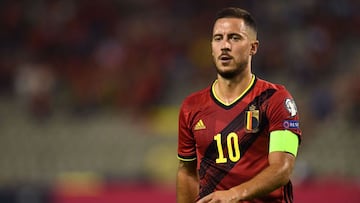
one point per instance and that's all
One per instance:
(234, 37)
(217, 38)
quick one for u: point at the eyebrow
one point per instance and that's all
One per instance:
(234, 34)
(230, 34)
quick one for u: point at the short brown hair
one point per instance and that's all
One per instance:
(234, 12)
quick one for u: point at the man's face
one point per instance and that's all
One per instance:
(232, 44)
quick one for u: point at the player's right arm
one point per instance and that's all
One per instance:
(187, 182)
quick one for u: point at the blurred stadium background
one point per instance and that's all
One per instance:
(90, 91)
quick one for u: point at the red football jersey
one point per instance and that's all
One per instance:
(231, 142)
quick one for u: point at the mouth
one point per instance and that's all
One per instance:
(225, 57)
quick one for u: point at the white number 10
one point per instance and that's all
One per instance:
(232, 146)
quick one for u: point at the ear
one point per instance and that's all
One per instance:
(254, 47)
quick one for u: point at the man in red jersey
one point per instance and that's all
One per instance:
(239, 137)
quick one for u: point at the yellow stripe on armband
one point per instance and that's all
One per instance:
(284, 141)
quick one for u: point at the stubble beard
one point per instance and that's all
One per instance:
(233, 73)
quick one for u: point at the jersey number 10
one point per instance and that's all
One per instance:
(232, 141)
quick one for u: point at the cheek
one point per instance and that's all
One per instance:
(214, 52)
(242, 52)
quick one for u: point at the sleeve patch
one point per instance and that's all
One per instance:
(291, 124)
(291, 107)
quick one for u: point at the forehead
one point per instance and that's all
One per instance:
(225, 25)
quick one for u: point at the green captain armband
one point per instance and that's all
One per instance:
(284, 141)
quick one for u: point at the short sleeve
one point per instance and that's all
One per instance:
(186, 141)
(282, 113)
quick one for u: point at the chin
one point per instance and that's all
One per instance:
(229, 74)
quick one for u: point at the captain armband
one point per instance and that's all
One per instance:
(284, 141)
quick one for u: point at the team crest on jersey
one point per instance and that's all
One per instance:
(291, 107)
(252, 119)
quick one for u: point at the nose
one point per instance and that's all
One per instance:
(225, 45)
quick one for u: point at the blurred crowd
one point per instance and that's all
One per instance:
(137, 54)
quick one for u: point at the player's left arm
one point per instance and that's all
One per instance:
(277, 174)
(281, 163)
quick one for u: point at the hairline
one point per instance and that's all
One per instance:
(237, 13)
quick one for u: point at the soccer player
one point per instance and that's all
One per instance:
(238, 138)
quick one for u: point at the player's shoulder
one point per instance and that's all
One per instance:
(269, 85)
(265, 84)
(280, 91)
(197, 98)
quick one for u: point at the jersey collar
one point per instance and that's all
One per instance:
(228, 106)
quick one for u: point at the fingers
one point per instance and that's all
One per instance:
(205, 199)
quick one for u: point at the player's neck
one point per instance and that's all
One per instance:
(229, 90)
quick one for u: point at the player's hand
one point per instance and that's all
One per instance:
(224, 196)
